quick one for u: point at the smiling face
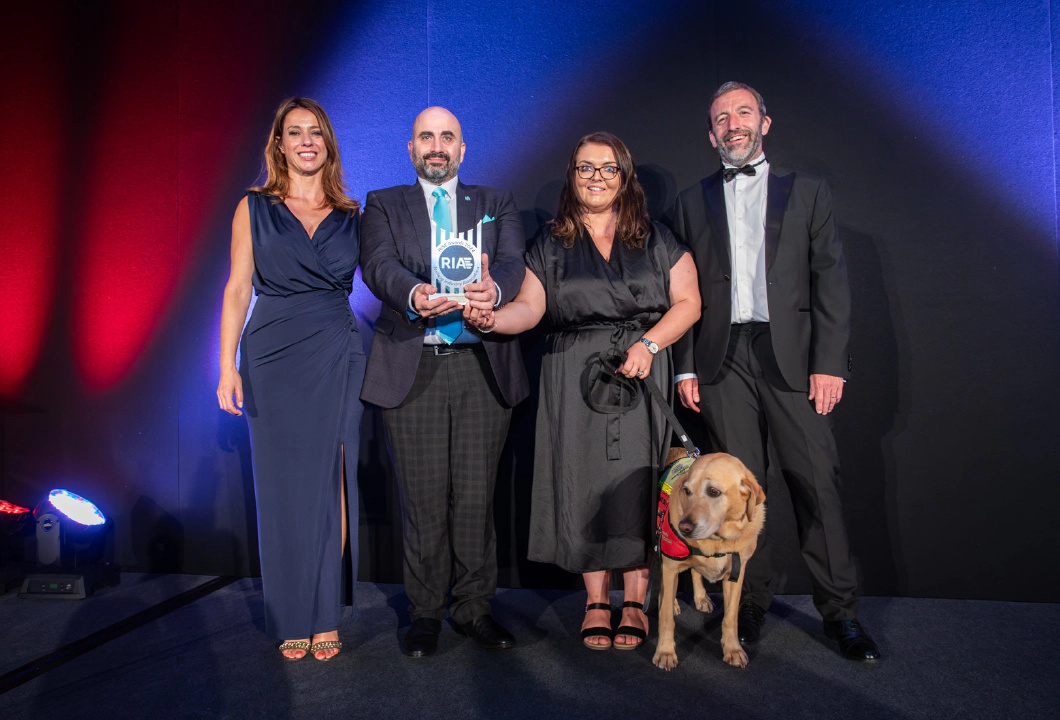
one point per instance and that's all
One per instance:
(737, 127)
(437, 145)
(597, 193)
(302, 142)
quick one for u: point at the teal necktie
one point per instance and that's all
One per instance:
(448, 326)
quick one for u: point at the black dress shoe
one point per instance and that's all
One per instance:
(488, 633)
(749, 623)
(422, 638)
(854, 642)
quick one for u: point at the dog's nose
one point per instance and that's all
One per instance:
(686, 527)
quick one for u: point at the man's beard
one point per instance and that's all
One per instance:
(754, 146)
(437, 175)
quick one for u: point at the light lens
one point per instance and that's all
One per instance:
(76, 507)
(12, 508)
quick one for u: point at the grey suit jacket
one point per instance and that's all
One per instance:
(807, 291)
(396, 256)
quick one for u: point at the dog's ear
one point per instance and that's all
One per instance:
(755, 494)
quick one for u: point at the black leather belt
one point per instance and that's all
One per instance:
(750, 326)
(443, 350)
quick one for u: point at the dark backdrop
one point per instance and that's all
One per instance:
(131, 129)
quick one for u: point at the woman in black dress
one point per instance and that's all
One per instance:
(607, 278)
(295, 241)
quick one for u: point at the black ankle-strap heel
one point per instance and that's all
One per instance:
(598, 631)
(630, 630)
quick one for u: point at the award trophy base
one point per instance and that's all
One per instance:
(462, 299)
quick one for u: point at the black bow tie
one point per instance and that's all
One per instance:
(731, 172)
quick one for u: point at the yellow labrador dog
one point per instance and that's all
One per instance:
(715, 516)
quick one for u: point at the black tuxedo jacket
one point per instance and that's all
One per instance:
(807, 291)
(396, 256)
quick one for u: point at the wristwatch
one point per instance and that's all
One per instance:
(652, 347)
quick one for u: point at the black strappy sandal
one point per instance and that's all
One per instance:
(598, 631)
(630, 630)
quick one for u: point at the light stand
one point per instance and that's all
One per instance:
(70, 538)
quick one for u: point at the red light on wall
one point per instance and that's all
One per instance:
(127, 268)
(12, 508)
(32, 62)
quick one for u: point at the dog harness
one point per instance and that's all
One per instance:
(669, 539)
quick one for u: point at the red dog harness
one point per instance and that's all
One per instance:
(669, 540)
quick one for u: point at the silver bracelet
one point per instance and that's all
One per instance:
(492, 327)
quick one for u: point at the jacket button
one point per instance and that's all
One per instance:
(725, 276)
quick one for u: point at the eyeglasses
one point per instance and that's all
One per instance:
(607, 172)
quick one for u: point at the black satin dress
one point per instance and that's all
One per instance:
(594, 473)
(302, 366)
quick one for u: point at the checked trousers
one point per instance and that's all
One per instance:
(446, 440)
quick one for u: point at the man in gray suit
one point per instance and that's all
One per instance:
(769, 356)
(446, 390)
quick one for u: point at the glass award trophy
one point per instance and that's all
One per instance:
(456, 260)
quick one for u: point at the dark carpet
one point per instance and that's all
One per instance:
(210, 659)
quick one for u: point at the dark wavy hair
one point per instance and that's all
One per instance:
(277, 182)
(633, 223)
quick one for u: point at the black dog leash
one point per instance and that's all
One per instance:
(604, 372)
(610, 361)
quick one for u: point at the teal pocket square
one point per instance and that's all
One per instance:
(486, 218)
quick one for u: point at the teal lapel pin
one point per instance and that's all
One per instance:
(468, 198)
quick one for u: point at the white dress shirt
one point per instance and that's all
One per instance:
(745, 208)
(745, 211)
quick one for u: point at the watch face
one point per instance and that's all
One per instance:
(652, 347)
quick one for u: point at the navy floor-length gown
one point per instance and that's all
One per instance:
(302, 366)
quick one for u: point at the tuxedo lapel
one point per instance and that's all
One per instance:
(714, 193)
(777, 194)
(421, 221)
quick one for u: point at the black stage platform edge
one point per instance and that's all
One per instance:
(35, 668)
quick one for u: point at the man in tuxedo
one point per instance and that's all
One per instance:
(769, 356)
(446, 390)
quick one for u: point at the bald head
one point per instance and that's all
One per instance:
(437, 145)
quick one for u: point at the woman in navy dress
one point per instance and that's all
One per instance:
(295, 242)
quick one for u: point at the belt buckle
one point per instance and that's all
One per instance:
(443, 350)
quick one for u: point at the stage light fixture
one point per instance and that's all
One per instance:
(15, 527)
(70, 540)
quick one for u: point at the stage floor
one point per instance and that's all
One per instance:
(211, 659)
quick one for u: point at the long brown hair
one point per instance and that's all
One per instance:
(277, 182)
(633, 223)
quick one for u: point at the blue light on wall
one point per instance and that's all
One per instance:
(962, 80)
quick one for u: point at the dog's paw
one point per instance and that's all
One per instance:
(677, 608)
(665, 659)
(704, 604)
(735, 657)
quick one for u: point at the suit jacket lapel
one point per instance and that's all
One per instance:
(714, 192)
(777, 193)
(468, 211)
(420, 220)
